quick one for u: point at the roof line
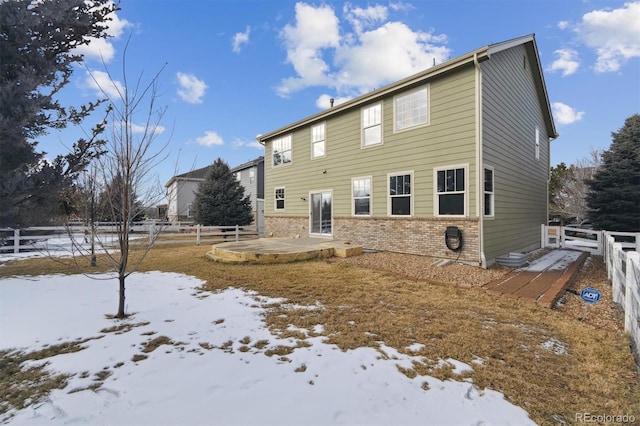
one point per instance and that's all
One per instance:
(483, 53)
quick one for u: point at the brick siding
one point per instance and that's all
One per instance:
(422, 236)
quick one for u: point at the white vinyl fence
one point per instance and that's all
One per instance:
(621, 251)
(573, 238)
(623, 268)
(52, 238)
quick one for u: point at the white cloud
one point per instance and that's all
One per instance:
(140, 128)
(239, 143)
(191, 89)
(388, 53)
(563, 25)
(614, 34)
(324, 101)
(567, 62)
(100, 48)
(316, 28)
(374, 54)
(102, 84)
(401, 6)
(564, 114)
(210, 138)
(241, 38)
(360, 18)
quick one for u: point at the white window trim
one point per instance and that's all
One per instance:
(436, 198)
(537, 147)
(275, 200)
(353, 207)
(324, 141)
(493, 193)
(425, 87)
(290, 136)
(362, 128)
(411, 197)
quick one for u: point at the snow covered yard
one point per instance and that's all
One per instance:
(187, 356)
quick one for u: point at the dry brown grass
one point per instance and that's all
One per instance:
(22, 385)
(549, 362)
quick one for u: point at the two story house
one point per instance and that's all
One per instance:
(452, 162)
(181, 191)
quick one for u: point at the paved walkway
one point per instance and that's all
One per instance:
(543, 281)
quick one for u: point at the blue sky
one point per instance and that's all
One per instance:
(236, 69)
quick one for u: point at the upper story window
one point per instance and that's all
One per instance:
(318, 140)
(190, 210)
(372, 125)
(451, 191)
(488, 192)
(537, 143)
(361, 193)
(281, 150)
(400, 202)
(238, 176)
(411, 109)
(279, 198)
(252, 175)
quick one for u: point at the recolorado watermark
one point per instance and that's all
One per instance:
(604, 418)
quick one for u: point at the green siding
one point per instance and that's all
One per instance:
(511, 112)
(449, 139)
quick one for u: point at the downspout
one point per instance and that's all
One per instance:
(479, 163)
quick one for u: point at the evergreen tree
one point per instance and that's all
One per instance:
(614, 190)
(37, 42)
(220, 199)
(113, 207)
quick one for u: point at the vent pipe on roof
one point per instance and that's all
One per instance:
(331, 102)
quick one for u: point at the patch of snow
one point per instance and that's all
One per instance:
(477, 360)
(64, 246)
(415, 347)
(555, 346)
(200, 377)
(554, 260)
(459, 367)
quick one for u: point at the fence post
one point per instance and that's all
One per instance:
(16, 241)
(600, 240)
(198, 234)
(237, 233)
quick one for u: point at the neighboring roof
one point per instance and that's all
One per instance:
(482, 54)
(200, 174)
(248, 164)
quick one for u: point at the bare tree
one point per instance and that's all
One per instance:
(89, 188)
(568, 199)
(124, 182)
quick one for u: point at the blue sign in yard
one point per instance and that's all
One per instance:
(590, 295)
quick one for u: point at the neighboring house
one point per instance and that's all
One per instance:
(464, 143)
(181, 190)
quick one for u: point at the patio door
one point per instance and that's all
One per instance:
(320, 212)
